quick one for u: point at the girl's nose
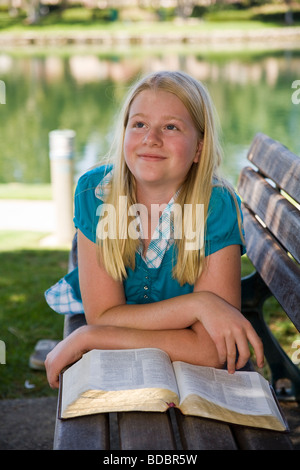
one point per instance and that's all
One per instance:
(153, 137)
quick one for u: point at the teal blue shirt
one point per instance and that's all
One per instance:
(143, 284)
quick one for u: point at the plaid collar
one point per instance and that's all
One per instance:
(163, 236)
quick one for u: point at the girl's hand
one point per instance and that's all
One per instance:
(65, 353)
(230, 331)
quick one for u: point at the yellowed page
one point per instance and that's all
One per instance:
(197, 406)
(101, 371)
(246, 393)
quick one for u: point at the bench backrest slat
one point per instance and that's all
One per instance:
(277, 163)
(280, 273)
(272, 219)
(278, 214)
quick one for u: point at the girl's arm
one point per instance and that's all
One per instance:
(195, 347)
(217, 328)
(214, 303)
(105, 304)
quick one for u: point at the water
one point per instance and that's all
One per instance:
(252, 93)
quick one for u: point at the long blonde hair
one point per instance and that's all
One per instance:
(118, 253)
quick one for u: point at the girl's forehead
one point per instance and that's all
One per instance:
(150, 94)
(156, 101)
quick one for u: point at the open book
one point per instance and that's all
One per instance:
(146, 380)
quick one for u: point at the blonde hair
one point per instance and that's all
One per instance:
(119, 253)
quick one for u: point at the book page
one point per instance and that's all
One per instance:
(119, 370)
(243, 392)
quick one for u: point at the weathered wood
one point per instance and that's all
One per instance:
(204, 434)
(261, 439)
(82, 433)
(278, 271)
(272, 227)
(145, 431)
(280, 216)
(277, 163)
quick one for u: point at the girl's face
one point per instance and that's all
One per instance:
(161, 142)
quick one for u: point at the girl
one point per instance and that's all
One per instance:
(175, 284)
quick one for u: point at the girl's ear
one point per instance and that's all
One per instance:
(198, 151)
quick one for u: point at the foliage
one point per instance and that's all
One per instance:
(77, 15)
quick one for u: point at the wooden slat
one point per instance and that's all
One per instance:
(278, 271)
(204, 434)
(145, 431)
(261, 439)
(280, 216)
(82, 433)
(277, 163)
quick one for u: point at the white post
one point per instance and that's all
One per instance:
(61, 143)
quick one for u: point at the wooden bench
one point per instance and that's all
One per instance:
(271, 209)
(274, 250)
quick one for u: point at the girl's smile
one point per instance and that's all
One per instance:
(151, 157)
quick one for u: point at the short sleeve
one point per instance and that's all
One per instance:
(86, 203)
(223, 227)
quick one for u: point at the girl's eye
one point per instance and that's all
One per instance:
(171, 127)
(139, 125)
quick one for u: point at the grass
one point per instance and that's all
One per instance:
(82, 19)
(26, 191)
(27, 270)
(137, 29)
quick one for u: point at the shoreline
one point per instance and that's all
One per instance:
(267, 37)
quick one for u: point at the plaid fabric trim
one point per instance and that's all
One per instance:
(62, 298)
(162, 239)
(101, 190)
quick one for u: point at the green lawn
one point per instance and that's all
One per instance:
(25, 191)
(81, 19)
(26, 272)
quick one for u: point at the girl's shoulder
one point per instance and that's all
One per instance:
(224, 219)
(88, 199)
(92, 178)
(223, 198)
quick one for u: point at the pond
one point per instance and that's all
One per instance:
(83, 91)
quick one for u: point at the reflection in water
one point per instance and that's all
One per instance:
(83, 92)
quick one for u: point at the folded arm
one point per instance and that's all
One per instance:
(204, 327)
(215, 304)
